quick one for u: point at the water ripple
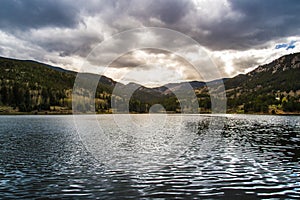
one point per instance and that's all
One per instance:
(251, 157)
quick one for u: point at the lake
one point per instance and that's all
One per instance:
(145, 157)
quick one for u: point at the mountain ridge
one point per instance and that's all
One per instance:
(24, 88)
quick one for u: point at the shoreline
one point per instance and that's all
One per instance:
(108, 113)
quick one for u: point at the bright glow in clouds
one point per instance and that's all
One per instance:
(152, 68)
(155, 76)
(238, 35)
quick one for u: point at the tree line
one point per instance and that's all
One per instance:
(25, 99)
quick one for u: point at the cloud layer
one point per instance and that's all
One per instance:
(238, 35)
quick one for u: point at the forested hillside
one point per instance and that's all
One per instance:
(27, 86)
(32, 87)
(274, 87)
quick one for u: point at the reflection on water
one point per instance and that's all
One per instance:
(250, 157)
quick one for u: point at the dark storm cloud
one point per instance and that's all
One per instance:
(129, 60)
(168, 11)
(267, 8)
(252, 23)
(246, 62)
(19, 14)
(258, 23)
(276, 17)
(69, 45)
(62, 29)
(126, 61)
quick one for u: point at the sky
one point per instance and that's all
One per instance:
(237, 35)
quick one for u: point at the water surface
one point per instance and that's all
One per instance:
(251, 157)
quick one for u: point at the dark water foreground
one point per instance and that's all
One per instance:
(251, 157)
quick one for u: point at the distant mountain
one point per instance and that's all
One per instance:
(168, 88)
(29, 86)
(281, 74)
(171, 87)
(139, 91)
(273, 87)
